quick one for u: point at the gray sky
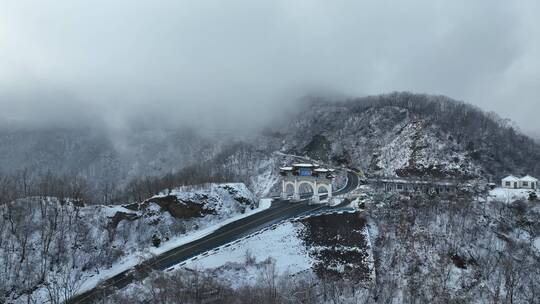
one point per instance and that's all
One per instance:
(221, 61)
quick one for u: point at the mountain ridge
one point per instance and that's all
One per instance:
(479, 138)
(397, 134)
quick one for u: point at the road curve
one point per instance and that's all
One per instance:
(280, 210)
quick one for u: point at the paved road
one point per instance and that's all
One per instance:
(280, 210)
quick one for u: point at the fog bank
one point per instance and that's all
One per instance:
(240, 63)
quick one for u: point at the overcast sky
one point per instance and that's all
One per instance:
(239, 61)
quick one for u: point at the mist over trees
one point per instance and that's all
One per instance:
(101, 168)
(98, 167)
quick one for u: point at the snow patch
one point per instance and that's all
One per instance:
(507, 196)
(134, 259)
(280, 244)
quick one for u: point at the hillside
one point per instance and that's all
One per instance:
(396, 250)
(404, 134)
(536, 136)
(53, 248)
(325, 247)
(104, 168)
(57, 240)
(398, 134)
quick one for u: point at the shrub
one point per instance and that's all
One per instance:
(156, 241)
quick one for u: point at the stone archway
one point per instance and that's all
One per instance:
(324, 189)
(302, 185)
(306, 180)
(289, 189)
(306, 187)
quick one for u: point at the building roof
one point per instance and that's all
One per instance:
(511, 178)
(286, 168)
(528, 178)
(322, 170)
(304, 165)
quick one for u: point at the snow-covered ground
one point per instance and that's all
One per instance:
(536, 244)
(136, 258)
(239, 263)
(290, 247)
(96, 242)
(281, 244)
(506, 195)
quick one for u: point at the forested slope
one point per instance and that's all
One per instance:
(398, 134)
(409, 134)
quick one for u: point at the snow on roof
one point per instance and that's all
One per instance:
(286, 168)
(529, 178)
(321, 170)
(511, 177)
(304, 165)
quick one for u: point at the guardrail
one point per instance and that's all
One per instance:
(303, 216)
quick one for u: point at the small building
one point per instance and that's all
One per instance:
(510, 182)
(414, 186)
(518, 182)
(528, 182)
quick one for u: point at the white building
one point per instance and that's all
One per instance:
(528, 182)
(516, 182)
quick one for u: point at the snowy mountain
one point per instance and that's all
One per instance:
(403, 134)
(399, 134)
(60, 235)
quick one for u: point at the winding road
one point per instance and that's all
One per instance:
(280, 210)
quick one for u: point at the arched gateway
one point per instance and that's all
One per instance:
(311, 175)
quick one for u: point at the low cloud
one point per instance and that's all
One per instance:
(241, 63)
